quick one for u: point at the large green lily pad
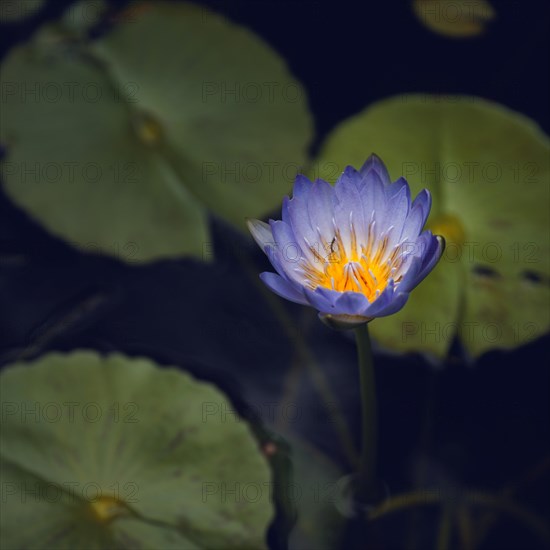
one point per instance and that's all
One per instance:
(488, 169)
(103, 452)
(127, 142)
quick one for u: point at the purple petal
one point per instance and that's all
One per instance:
(302, 186)
(321, 202)
(413, 224)
(387, 303)
(396, 216)
(295, 214)
(373, 202)
(261, 232)
(423, 201)
(410, 276)
(393, 188)
(286, 256)
(348, 211)
(428, 250)
(283, 288)
(322, 299)
(374, 164)
(388, 307)
(332, 302)
(434, 250)
(349, 177)
(351, 303)
(282, 233)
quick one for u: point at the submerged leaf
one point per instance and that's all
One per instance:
(488, 170)
(315, 492)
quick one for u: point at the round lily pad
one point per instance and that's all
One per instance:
(488, 170)
(126, 142)
(104, 452)
(454, 18)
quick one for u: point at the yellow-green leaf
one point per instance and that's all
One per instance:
(454, 18)
(130, 140)
(115, 452)
(488, 170)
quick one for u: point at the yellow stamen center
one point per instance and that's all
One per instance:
(148, 128)
(107, 508)
(362, 268)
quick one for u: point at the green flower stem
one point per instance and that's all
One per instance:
(304, 354)
(367, 469)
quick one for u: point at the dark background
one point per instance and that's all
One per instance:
(484, 425)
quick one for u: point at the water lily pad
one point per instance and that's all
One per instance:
(488, 170)
(103, 452)
(454, 18)
(130, 140)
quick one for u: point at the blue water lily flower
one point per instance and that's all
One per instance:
(355, 250)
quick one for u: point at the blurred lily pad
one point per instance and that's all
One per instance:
(315, 492)
(488, 169)
(131, 139)
(103, 452)
(454, 18)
